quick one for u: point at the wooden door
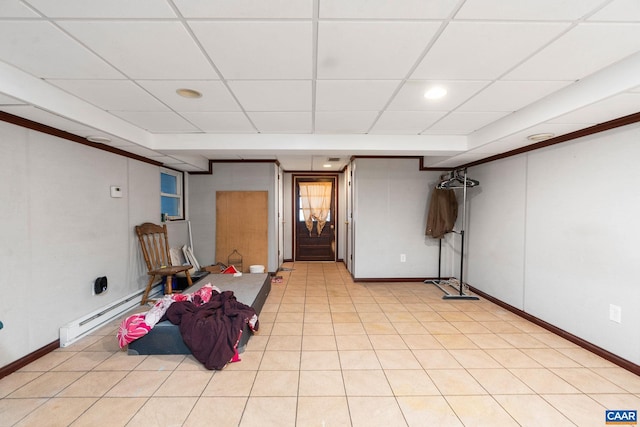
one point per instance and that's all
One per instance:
(242, 225)
(311, 246)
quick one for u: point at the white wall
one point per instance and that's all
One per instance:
(202, 204)
(390, 214)
(495, 230)
(554, 233)
(60, 230)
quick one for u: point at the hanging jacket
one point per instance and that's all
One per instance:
(443, 212)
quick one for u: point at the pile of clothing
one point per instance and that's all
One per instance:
(210, 321)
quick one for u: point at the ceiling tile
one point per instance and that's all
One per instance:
(258, 50)
(245, 8)
(278, 122)
(370, 50)
(272, 95)
(464, 123)
(511, 95)
(215, 95)
(580, 52)
(411, 95)
(344, 121)
(118, 95)
(608, 109)
(484, 50)
(619, 11)
(354, 95)
(159, 122)
(220, 122)
(552, 10)
(46, 52)
(15, 9)
(145, 50)
(384, 9)
(405, 122)
(104, 9)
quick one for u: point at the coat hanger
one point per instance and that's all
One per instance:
(466, 180)
(456, 180)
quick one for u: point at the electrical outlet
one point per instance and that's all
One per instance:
(403, 258)
(615, 313)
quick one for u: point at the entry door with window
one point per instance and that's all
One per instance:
(315, 231)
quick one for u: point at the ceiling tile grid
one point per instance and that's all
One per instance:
(319, 66)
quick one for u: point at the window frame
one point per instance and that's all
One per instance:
(179, 195)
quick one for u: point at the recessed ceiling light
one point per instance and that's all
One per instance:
(435, 92)
(326, 165)
(188, 93)
(537, 137)
(98, 139)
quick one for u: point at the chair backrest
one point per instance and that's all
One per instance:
(154, 242)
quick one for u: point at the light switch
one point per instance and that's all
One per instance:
(116, 191)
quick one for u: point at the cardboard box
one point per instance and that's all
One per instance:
(212, 269)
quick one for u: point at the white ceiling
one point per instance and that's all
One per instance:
(304, 80)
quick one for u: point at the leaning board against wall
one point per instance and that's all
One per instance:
(242, 225)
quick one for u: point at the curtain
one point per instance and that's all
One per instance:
(315, 201)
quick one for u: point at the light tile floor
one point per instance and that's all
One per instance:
(331, 352)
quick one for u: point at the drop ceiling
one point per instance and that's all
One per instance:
(302, 81)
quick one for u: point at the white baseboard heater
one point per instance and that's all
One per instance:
(73, 331)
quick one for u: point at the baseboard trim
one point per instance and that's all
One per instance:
(389, 280)
(605, 354)
(31, 357)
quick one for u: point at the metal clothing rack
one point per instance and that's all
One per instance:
(456, 180)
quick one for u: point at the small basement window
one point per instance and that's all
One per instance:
(171, 194)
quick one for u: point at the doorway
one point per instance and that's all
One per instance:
(314, 217)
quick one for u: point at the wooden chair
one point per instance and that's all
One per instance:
(154, 243)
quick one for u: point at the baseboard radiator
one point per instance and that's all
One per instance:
(73, 331)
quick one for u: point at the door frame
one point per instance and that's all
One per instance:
(294, 202)
(348, 220)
